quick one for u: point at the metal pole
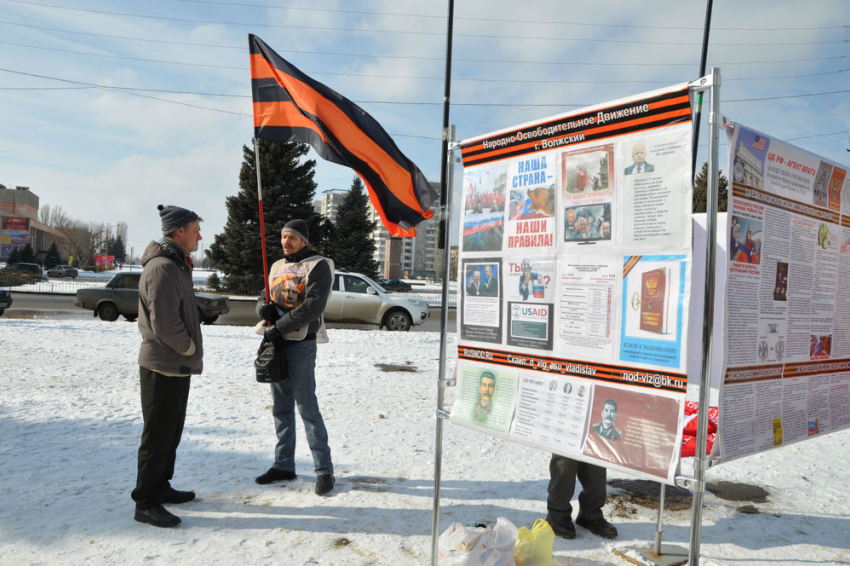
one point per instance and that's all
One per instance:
(441, 375)
(442, 239)
(443, 243)
(659, 524)
(700, 460)
(262, 221)
(702, 63)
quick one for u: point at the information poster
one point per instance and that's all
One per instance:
(787, 344)
(15, 235)
(574, 271)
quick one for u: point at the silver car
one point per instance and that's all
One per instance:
(63, 271)
(357, 298)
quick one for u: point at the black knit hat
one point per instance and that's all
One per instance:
(299, 228)
(174, 217)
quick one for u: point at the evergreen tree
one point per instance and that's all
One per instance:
(288, 191)
(354, 246)
(327, 241)
(14, 256)
(701, 191)
(117, 250)
(28, 255)
(52, 258)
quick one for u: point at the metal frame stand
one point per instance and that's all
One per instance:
(675, 555)
(659, 554)
(442, 382)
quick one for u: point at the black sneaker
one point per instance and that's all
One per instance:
(274, 475)
(599, 527)
(564, 529)
(175, 496)
(324, 484)
(158, 516)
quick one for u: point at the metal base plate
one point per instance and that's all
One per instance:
(670, 555)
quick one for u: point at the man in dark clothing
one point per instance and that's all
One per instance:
(171, 351)
(563, 472)
(300, 285)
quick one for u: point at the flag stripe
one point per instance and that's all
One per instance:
(314, 104)
(290, 106)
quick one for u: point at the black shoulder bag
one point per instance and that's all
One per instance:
(271, 363)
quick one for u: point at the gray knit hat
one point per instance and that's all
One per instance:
(174, 217)
(299, 228)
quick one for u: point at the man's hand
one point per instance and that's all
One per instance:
(268, 312)
(271, 334)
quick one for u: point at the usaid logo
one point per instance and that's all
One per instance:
(530, 311)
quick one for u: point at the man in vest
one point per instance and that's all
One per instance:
(300, 285)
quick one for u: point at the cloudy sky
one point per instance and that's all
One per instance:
(110, 108)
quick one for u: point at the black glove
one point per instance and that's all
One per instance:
(271, 334)
(268, 312)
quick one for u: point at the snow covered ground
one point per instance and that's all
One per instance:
(70, 424)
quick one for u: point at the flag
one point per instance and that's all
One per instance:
(581, 179)
(759, 143)
(290, 106)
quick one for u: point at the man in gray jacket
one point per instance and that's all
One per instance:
(172, 351)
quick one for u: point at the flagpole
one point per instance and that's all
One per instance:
(262, 221)
(446, 159)
(698, 109)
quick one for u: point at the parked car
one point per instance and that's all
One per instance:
(395, 285)
(5, 300)
(30, 267)
(63, 271)
(357, 298)
(121, 297)
(20, 274)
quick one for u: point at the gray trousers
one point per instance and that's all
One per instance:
(562, 485)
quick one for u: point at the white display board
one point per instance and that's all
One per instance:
(574, 282)
(787, 346)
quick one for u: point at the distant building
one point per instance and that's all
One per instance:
(19, 223)
(330, 203)
(414, 258)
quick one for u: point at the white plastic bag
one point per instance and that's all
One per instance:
(460, 545)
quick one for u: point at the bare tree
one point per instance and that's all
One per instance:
(83, 241)
(53, 216)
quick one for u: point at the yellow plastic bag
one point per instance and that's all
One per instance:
(534, 547)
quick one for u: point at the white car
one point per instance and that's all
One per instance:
(357, 298)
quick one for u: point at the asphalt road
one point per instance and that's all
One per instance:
(32, 305)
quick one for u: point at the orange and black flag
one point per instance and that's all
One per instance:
(290, 106)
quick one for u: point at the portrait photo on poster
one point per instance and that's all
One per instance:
(639, 164)
(486, 396)
(633, 429)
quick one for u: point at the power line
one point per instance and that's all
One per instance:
(407, 77)
(349, 54)
(511, 21)
(412, 32)
(397, 102)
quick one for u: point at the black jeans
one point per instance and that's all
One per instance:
(562, 484)
(164, 400)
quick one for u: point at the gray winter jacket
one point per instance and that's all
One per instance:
(168, 316)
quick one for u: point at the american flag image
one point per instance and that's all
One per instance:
(759, 142)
